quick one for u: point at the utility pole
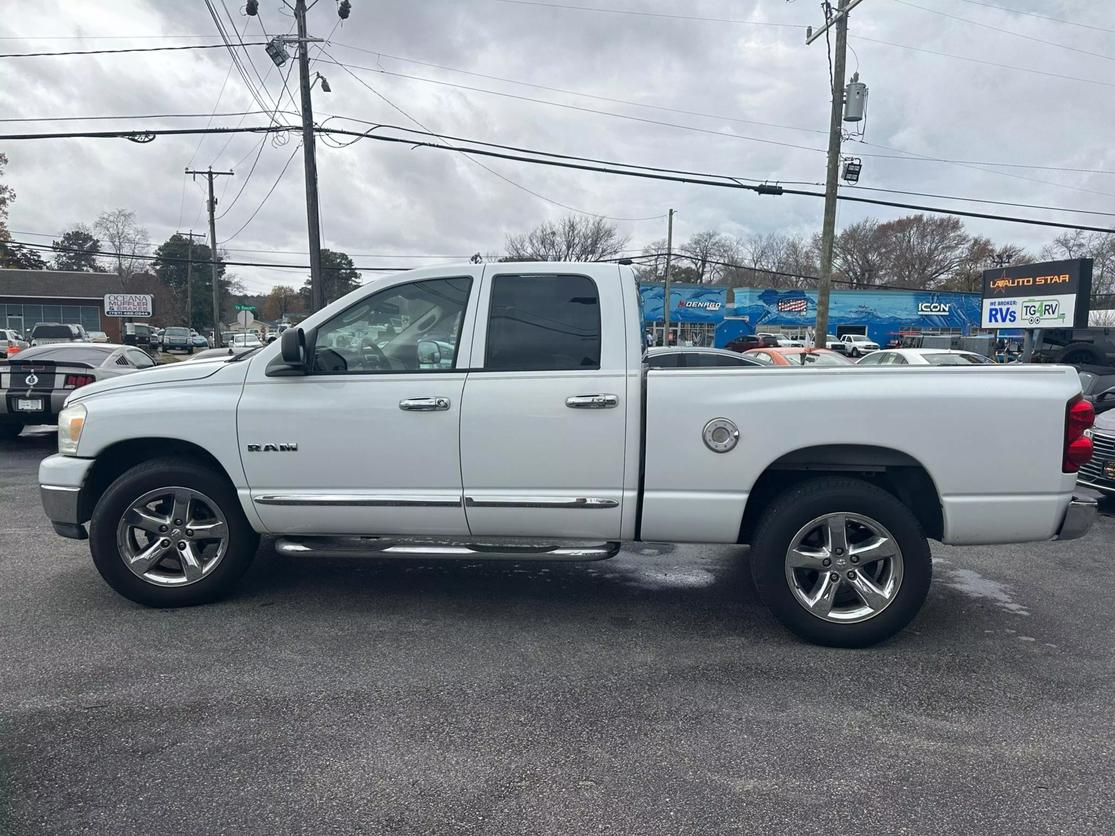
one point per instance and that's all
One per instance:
(666, 294)
(313, 222)
(828, 227)
(212, 204)
(191, 235)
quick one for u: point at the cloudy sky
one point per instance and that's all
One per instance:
(736, 93)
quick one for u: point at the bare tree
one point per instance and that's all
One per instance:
(982, 254)
(125, 239)
(859, 253)
(922, 251)
(573, 238)
(703, 251)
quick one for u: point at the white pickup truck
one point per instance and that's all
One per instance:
(854, 345)
(504, 410)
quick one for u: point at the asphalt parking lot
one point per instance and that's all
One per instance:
(647, 694)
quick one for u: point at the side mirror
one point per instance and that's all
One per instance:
(293, 348)
(429, 353)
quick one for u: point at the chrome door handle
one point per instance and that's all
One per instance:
(424, 404)
(592, 401)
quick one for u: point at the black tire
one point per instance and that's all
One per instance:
(855, 352)
(10, 430)
(153, 475)
(795, 508)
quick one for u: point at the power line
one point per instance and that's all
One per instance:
(984, 200)
(727, 182)
(171, 260)
(1020, 35)
(97, 37)
(135, 116)
(1012, 67)
(265, 197)
(649, 14)
(116, 51)
(694, 128)
(567, 92)
(1039, 16)
(629, 117)
(477, 162)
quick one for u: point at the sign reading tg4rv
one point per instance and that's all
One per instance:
(128, 304)
(1053, 294)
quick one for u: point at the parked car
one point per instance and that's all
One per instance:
(1098, 384)
(555, 446)
(923, 357)
(797, 357)
(1099, 472)
(245, 340)
(98, 337)
(12, 342)
(662, 357)
(745, 342)
(854, 345)
(140, 334)
(35, 383)
(785, 340)
(1076, 346)
(198, 340)
(49, 333)
(176, 338)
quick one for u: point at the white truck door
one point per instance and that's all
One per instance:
(543, 425)
(375, 422)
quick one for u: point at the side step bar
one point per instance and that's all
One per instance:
(417, 548)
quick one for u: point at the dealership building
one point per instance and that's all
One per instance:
(28, 297)
(712, 315)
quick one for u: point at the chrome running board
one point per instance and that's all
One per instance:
(412, 547)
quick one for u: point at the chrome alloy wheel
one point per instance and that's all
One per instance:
(172, 536)
(844, 568)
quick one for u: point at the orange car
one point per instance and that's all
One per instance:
(797, 357)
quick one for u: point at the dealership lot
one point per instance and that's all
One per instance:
(648, 693)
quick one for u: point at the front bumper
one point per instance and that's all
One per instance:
(1080, 515)
(61, 479)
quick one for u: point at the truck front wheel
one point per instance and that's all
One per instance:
(841, 562)
(171, 533)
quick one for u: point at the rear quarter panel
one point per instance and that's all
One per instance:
(990, 439)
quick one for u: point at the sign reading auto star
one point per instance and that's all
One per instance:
(1052, 294)
(128, 304)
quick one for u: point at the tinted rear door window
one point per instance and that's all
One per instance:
(543, 323)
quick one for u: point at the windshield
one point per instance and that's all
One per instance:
(176, 332)
(955, 359)
(51, 331)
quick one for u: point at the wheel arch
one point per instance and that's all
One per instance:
(120, 457)
(893, 470)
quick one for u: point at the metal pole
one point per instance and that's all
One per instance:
(189, 281)
(828, 227)
(213, 264)
(313, 222)
(666, 294)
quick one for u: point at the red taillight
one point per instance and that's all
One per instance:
(73, 381)
(1079, 416)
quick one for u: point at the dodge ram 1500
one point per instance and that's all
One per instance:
(505, 411)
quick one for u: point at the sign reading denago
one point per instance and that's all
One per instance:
(128, 304)
(1052, 294)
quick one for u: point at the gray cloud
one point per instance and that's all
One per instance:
(378, 198)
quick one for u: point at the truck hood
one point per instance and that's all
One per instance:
(169, 374)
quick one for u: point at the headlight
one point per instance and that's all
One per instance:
(71, 421)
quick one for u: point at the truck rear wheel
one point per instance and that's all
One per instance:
(841, 562)
(171, 533)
